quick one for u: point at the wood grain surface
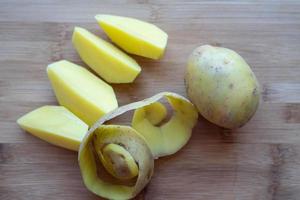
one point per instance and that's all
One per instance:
(259, 161)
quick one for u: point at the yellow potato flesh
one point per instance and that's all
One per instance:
(134, 36)
(56, 125)
(170, 137)
(80, 91)
(108, 61)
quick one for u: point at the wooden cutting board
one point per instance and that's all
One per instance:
(256, 162)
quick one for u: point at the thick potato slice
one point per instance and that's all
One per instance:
(56, 125)
(80, 91)
(108, 61)
(168, 138)
(124, 145)
(134, 36)
(222, 86)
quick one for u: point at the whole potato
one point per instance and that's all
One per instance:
(222, 86)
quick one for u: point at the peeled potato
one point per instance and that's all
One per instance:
(134, 36)
(83, 93)
(112, 64)
(222, 86)
(56, 125)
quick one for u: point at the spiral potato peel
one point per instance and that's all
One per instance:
(125, 155)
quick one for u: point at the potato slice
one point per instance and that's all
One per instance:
(108, 61)
(56, 125)
(80, 91)
(168, 138)
(134, 36)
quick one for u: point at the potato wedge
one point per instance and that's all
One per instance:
(113, 65)
(87, 96)
(134, 36)
(56, 125)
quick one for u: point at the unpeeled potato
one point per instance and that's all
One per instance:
(222, 86)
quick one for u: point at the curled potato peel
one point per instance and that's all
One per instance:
(168, 138)
(96, 144)
(118, 161)
(126, 153)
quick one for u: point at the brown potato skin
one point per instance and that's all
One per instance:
(222, 86)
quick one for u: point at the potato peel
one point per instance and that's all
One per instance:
(168, 138)
(126, 137)
(182, 122)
